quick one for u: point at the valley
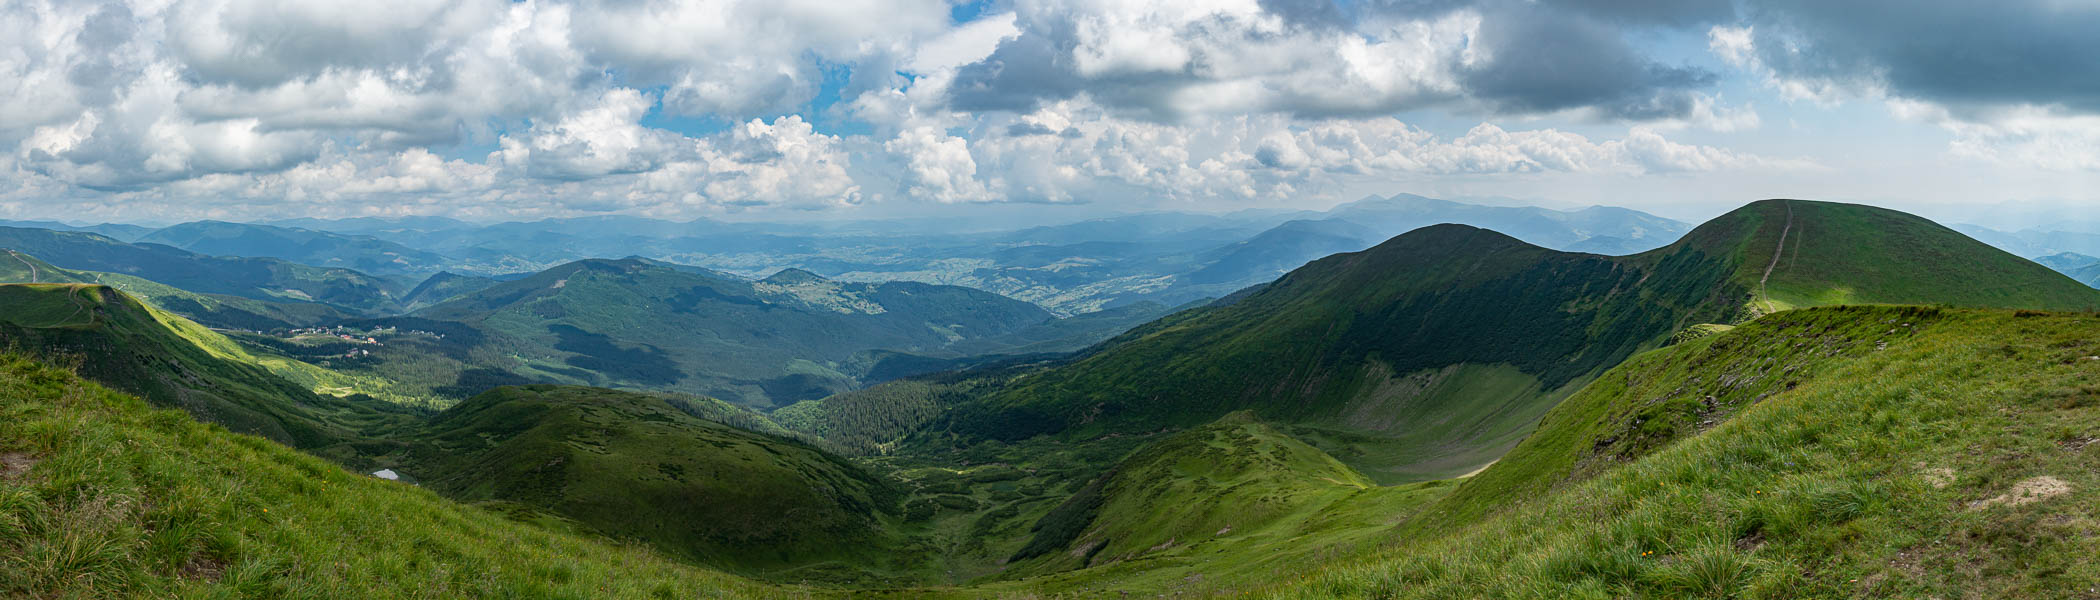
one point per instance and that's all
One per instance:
(1451, 412)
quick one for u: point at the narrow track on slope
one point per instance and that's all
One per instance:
(1777, 251)
(33, 277)
(79, 305)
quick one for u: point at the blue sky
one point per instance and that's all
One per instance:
(814, 110)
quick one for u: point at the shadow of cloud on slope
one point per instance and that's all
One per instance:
(472, 382)
(645, 365)
(689, 301)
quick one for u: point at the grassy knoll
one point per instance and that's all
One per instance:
(649, 467)
(1854, 254)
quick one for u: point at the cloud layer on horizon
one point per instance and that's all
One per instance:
(485, 108)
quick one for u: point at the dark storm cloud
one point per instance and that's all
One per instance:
(1957, 53)
(1307, 13)
(1547, 57)
(1037, 67)
(1672, 13)
(1547, 61)
(1020, 73)
(1027, 129)
(99, 76)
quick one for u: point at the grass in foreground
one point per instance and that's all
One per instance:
(102, 496)
(1956, 461)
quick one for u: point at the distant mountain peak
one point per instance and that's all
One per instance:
(1448, 236)
(794, 276)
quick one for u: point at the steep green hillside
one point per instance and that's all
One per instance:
(217, 310)
(256, 278)
(646, 467)
(1851, 254)
(1447, 338)
(103, 497)
(1431, 354)
(112, 338)
(1233, 501)
(1844, 454)
(1661, 397)
(640, 324)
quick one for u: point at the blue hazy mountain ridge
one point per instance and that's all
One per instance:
(1070, 268)
(307, 246)
(2084, 268)
(1170, 258)
(116, 231)
(2036, 243)
(269, 279)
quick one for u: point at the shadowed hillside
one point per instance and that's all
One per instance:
(114, 339)
(648, 467)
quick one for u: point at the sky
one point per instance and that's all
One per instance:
(167, 110)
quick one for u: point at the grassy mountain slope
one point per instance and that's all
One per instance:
(1661, 397)
(646, 325)
(1853, 254)
(1964, 467)
(115, 339)
(639, 466)
(104, 497)
(305, 246)
(217, 310)
(256, 278)
(1954, 461)
(1362, 341)
(1235, 492)
(1449, 342)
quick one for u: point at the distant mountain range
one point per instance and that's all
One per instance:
(2085, 269)
(638, 323)
(317, 248)
(267, 279)
(1167, 258)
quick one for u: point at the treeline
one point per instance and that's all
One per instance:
(868, 421)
